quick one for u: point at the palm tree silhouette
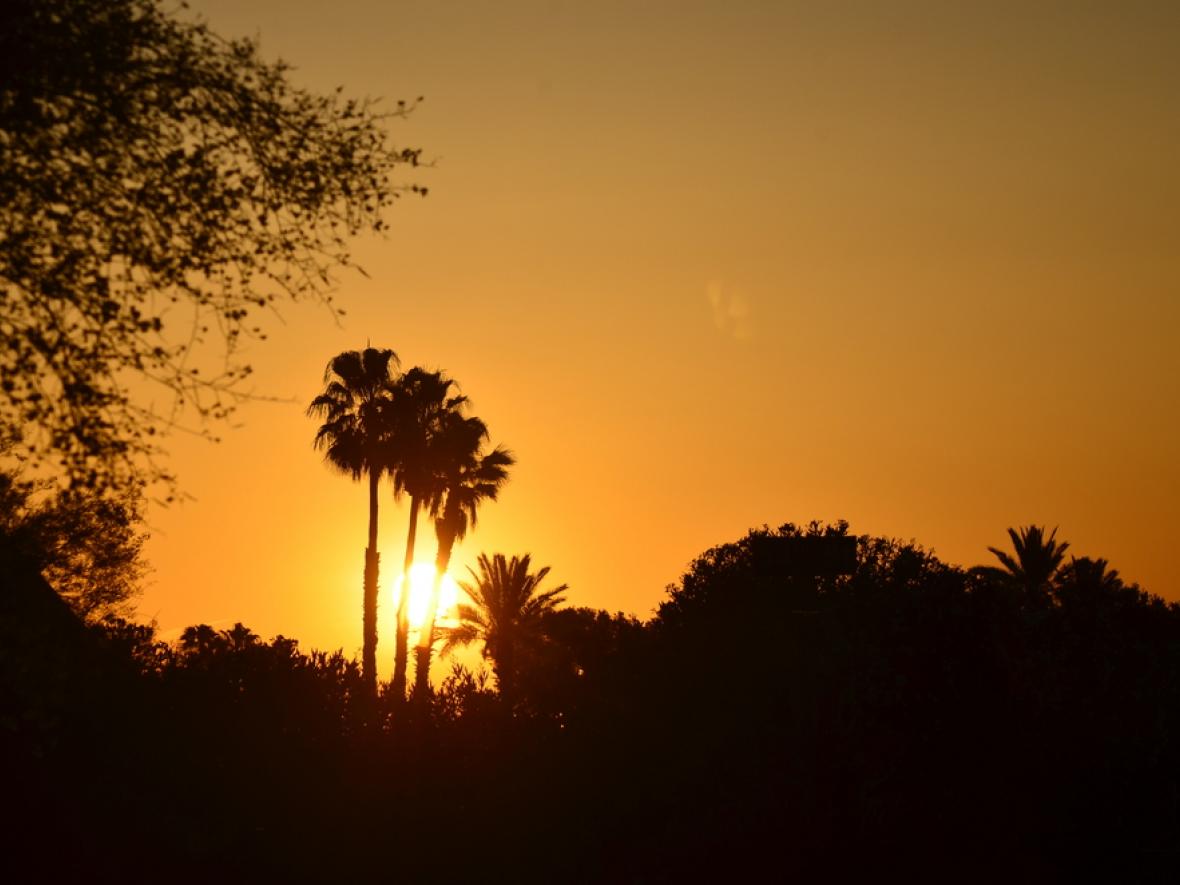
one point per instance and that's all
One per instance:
(506, 615)
(421, 406)
(358, 390)
(470, 477)
(1037, 561)
(1087, 581)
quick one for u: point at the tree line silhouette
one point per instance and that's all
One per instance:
(772, 717)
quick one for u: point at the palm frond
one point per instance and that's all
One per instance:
(356, 383)
(1008, 562)
(457, 637)
(1038, 557)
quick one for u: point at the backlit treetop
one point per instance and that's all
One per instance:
(160, 188)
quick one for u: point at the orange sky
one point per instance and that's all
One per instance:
(708, 266)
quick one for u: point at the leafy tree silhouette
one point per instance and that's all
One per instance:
(88, 547)
(354, 408)
(463, 694)
(507, 614)
(585, 668)
(149, 162)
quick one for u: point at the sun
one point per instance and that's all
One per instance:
(421, 585)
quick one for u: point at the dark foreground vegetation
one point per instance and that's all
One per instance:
(1008, 724)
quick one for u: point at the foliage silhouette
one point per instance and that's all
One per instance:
(354, 407)
(160, 188)
(88, 547)
(1086, 579)
(902, 720)
(1036, 562)
(463, 695)
(580, 675)
(507, 614)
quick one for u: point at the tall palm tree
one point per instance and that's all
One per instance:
(507, 613)
(358, 389)
(421, 405)
(470, 477)
(1037, 560)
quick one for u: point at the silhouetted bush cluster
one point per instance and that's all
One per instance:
(909, 715)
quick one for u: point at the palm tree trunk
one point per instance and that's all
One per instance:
(401, 652)
(426, 636)
(369, 612)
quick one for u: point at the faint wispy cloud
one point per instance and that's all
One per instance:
(731, 311)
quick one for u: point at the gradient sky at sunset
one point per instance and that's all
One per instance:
(705, 266)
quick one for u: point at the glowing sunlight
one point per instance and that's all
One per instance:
(421, 585)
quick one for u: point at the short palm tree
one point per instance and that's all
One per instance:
(506, 615)
(470, 477)
(1087, 581)
(1037, 560)
(358, 389)
(421, 405)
